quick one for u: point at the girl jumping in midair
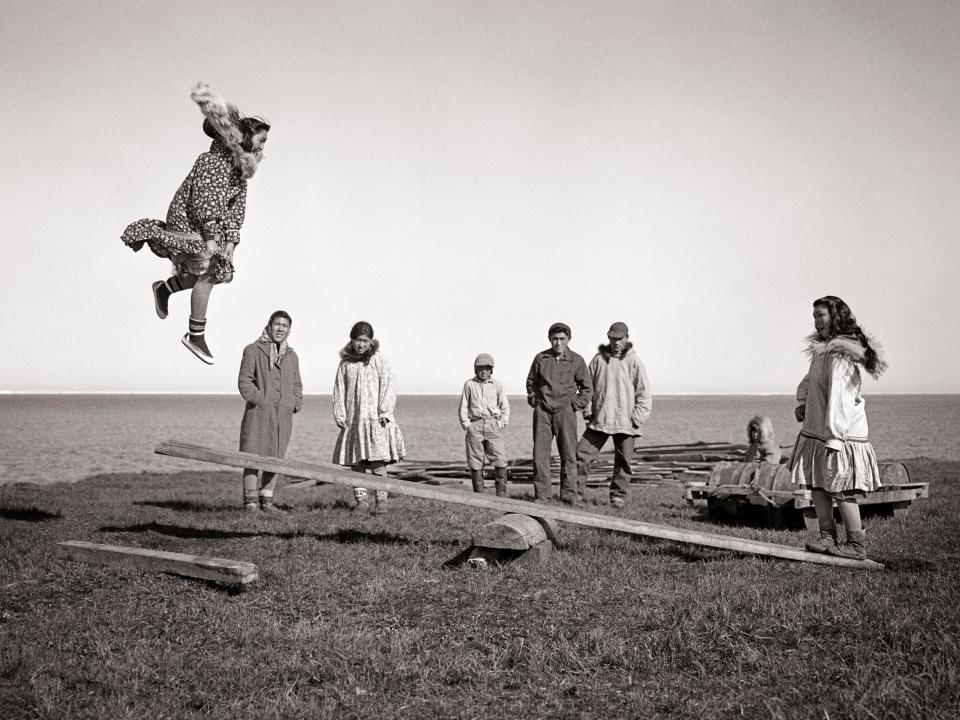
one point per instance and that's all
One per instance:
(204, 219)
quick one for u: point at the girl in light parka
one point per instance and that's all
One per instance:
(364, 399)
(832, 455)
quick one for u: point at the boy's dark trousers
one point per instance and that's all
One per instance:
(563, 426)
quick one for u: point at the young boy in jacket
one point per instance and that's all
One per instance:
(558, 386)
(621, 405)
(484, 413)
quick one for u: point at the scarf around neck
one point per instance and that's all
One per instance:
(275, 356)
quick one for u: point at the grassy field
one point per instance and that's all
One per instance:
(358, 617)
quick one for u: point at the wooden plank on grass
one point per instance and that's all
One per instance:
(336, 474)
(232, 572)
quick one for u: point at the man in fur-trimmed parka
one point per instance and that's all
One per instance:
(621, 405)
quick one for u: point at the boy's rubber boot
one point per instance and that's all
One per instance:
(855, 548)
(501, 482)
(380, 503)
(827, 540)
(476, 477)
(362, 502)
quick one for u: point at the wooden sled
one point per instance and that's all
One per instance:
(751, 491)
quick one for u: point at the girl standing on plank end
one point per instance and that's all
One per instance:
(832, 455)
(364, 398)
(204, 218)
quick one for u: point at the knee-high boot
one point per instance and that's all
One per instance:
(501, 482)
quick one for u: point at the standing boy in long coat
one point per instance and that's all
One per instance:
(269, 381)
(621, 405)
(558, 385)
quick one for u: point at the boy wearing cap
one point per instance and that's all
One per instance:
(621, 405)
(558, 386)
(484, 413)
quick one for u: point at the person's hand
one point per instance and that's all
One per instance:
(800, 412)
(531, 401)
(228, 250)
(341, 424)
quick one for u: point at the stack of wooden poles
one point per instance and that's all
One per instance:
(652, 464)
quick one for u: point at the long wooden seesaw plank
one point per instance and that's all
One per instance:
(231, 572)
(335, 474)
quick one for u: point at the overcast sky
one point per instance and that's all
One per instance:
(463, 174)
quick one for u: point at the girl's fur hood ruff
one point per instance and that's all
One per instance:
(225, 119)
(347, 353)
(848, 347)
(607, 353)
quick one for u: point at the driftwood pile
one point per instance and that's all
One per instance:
(652, 464)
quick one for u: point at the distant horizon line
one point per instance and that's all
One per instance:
(412, 394)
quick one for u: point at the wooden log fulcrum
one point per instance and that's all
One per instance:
(513, 538)
(328, 473)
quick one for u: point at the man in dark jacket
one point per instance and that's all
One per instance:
(269, 381)
(558, 386)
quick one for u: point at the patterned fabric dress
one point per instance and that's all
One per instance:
(364, 392)
(835, 418)
(206, 212)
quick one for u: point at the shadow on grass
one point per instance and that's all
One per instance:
(342, 536)
(693, 553)
(227, 589)
(183, 505)
(753, 517)
(909, 565)
(185, 532)
(28, 514)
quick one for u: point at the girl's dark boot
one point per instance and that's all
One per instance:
(827, 540)
(855, 548)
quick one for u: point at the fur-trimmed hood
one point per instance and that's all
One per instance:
(764, 424)
(225, 118)
(608, 353)
(848, 347)
(347, 353)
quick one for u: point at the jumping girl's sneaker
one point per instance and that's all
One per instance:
(161, 296)
(198, 346)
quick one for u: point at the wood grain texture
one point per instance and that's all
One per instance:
(511, 532)
(335, 474)
(232, 572)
